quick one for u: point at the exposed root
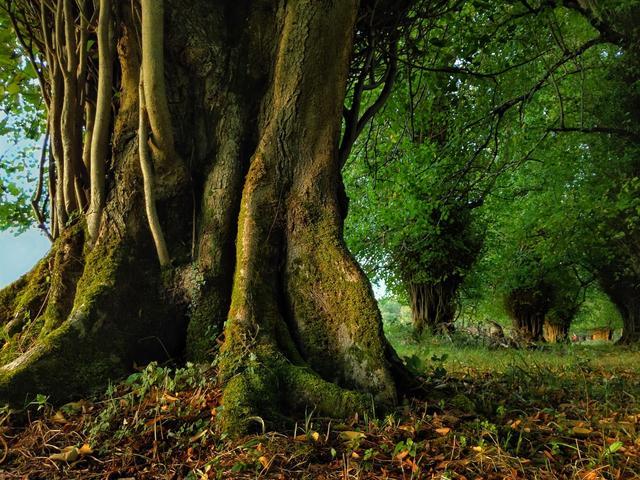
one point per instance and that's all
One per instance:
(269, 386)
(101, 338)
(5, 447)
(23, 303)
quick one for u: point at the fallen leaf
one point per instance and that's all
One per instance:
(410, 429)
(351, 435)
(169, 398)
(443, 431)
(59, 418)
(402, 454)
(582, 431)
(85, 449)
(590, 476)
(264, 461)
(67, 454)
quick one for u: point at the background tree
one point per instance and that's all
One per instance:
(420, 172)
(569, 115)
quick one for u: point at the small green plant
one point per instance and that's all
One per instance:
(439, 371)
(40, 402)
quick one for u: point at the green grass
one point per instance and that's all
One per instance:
(564, 411)
(461, 352)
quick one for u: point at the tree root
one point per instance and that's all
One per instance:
(116, 321)
(270, 388)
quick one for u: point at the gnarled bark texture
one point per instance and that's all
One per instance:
(253, 228)
(433, 306)
(528, 307)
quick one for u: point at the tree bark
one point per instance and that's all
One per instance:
(255, 92)
(625, 295)
(528, 307)
(433, 307)
(554, 332)
(629, 309)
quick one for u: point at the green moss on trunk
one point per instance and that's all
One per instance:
(267, 384)
(8, 297)
(117, 319)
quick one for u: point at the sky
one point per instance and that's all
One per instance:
(19, 254)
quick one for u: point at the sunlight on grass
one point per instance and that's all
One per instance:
(460, 353)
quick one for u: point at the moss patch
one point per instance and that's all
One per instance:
(266, 386)
(337, 321)
(118, 318)
(31, 299)
(8, 297)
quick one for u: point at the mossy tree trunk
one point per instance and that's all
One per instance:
(528, 307)
(555, 332)
(433, 306)
(624, 293)
(246, 192)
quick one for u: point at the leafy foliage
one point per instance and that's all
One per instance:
(21, 130)
(531, 113)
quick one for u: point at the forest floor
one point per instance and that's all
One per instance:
(568, 412)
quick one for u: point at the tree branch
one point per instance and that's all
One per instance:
(606, 130)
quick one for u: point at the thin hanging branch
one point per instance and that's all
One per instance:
(54, 59)
(55, 37)
(89, 116)
(37, 196)
(100, 134)
(148, 179)
(162, 140)
(69, 120)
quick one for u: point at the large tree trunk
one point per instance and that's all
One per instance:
(629, 309)
(248, 201)
(528, 307)
(625, 295)
(555, 332)
(433, 307)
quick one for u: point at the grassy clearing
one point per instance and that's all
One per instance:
(568, 412)
(462, 352)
